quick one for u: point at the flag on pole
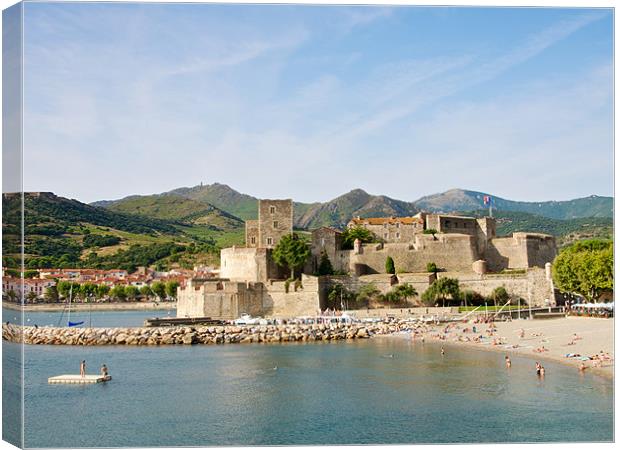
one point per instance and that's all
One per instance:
(487, 200)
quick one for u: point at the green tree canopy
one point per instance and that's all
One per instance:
(291, 252)
(586, 268)
(339, 295)
(368, 292)
(118, 292)
(389, 265)
(325, 265)
(102, 290)
(87, 290)
(441, 289)
(132, 292)
(357, 232)
(171, 289)
(146, 291)
(499, 295)
(400, 292)
(51, 294)
(66, 288)
(159, 289)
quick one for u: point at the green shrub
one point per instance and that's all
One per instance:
(389, 266)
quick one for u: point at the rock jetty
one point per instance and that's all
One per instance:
(197, 335)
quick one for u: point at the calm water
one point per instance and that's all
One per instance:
(95, 318)
(332, 393)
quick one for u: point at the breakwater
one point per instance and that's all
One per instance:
(197, 335)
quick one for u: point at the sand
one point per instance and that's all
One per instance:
(553, 334)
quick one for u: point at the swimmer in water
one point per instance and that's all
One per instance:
(508, 362)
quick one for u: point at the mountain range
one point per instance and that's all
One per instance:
(188, 226)
(222, 199)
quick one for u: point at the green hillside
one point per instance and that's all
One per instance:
(223, 197)
(67, 233)
(176, 208)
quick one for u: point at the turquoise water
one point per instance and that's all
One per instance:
(95, 318)
(318, 393)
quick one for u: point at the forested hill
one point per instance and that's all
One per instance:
(60, 232)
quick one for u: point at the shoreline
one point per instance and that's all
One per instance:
(127, 306)
(593, 331)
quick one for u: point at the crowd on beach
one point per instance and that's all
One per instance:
(483, 331)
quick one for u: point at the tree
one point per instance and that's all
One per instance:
(146, 291)
(118, 292)
(357, 232)
(11, 295)
(389, 265)
(31, 296)
(441, 289)
(339, 296)
(367, 293)
(325, 266)
(431, 267)
(471, 298)
(291, 252)
(102, 290)
(67, 288)
(400, 292)
(159, 289)
(87, 290)
(431, 231)
(132, 292)
(171, 289)
(499, 295)
(586, 268)
(51, 294)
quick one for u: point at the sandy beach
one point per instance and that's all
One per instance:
(570, 335)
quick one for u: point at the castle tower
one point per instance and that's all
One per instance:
(275, 220)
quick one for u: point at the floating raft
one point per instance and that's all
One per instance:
(77, 379)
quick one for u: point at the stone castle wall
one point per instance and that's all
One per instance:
(522, 250)
(533, 286)
(248, 264)
(225, 299)
(305, 301)
(454, 251)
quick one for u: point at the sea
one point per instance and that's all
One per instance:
(384, 390)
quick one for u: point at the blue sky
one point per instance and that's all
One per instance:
(310, 102)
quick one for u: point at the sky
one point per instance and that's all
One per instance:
(310, 102)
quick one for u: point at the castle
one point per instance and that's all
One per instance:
(464, 247)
